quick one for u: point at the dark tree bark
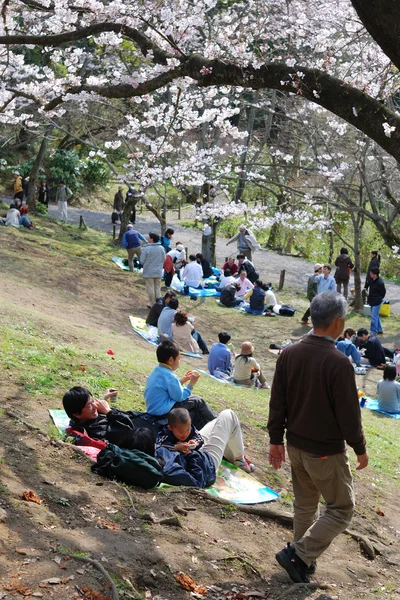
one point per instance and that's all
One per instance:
(33, 175)
(381, 17)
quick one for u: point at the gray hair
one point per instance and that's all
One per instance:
(326, 308)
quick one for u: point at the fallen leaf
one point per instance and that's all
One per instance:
(380, 512)
(107, 525)
(89, 594)
(30, 496)
(187, 583)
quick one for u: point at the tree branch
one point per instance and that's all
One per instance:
(141, 40)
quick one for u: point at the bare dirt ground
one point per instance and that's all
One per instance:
(229, 551)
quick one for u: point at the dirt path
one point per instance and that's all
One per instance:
(269, 263)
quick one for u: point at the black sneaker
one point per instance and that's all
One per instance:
(309, 570)
(293, 565)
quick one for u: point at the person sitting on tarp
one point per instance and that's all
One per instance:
(228, 295)
(247, 371)
(166, 318)
(225, 279)
(220, 358)
(99, 421)
(164, 390)
(374, 354)
(157, 308)
(388, 391)
(185, 335)
(244, 284)
(345, 345)
(192, 275)
(205, 265)
(256, 297)
(190, 457)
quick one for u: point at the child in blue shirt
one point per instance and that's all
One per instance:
(164, 390)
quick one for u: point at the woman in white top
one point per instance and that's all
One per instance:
(226, 279)
(389, 391)
(247, 371)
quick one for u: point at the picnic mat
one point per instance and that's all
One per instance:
(61, 421)
(239, 487)
(230, 381)
(211, 282)
(150, 334)
(212, 376)
(232, 483)
(203, 292)
(120, 263)
(372, 404)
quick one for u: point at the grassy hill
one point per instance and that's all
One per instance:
(63, 305)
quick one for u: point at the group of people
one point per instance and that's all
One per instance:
(20, 190)
(374, 288)
(178, 428)
(319, 414)
(17, 215)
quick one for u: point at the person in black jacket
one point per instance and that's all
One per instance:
(374, 263)
(342, 274)
(246, 265)
(156, 309)
(374, 354)
(205, 265)
(377, 292)
(100, 421)
(228, 295)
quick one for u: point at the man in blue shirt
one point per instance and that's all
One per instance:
(219, 359)
(164, 390)
(131, 241)
(326, 282)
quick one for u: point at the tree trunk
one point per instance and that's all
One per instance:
(126, 215)
(208, 244)
(357, 227)
(243, 158)
(33, 175)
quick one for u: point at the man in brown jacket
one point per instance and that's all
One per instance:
(314, 398)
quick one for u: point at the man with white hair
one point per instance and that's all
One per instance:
(246, 242)
(314, 398)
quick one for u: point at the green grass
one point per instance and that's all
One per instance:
(46, 355)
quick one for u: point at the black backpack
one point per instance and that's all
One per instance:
(133, 467)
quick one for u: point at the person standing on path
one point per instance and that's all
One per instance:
(63, 195)
(118, 205)
(131, 242)
(18, 188)
(320, 413)
(374, 263)
(342, 273)
(43, 193)
(312, 291)
(152, 259)
(376, 293)
(246, 242)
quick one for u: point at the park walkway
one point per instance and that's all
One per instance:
(269, 264)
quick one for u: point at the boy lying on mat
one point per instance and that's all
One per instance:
(191, 457)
